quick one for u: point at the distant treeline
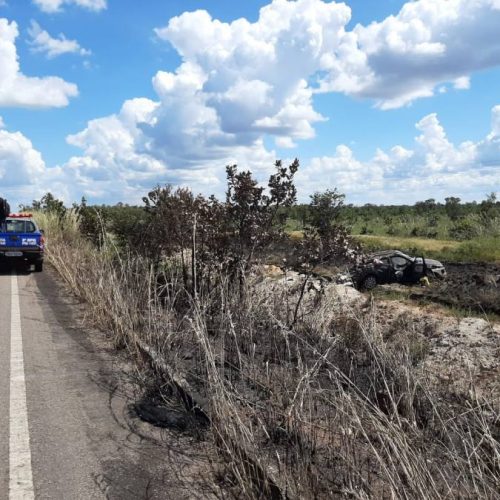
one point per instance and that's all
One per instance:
(452, 219)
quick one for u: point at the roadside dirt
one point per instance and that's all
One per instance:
(457, 355)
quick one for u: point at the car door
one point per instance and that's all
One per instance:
(419, 269)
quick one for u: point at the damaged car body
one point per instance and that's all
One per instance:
(393, 266)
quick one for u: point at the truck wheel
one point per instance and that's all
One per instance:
(38, 267)
(369, 283)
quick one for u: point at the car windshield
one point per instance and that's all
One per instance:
(18, 226)
(399, 262)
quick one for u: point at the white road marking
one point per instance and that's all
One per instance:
(21, 478)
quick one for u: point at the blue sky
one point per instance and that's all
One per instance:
(389, 101)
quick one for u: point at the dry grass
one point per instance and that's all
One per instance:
(321, 407)
(426, 244)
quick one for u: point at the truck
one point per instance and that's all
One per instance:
(21, 240)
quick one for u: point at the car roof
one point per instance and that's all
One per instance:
(390, 253)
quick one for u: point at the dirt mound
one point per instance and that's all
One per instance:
(465, 354)
(455, 354)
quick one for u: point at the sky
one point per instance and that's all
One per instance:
(389, 102)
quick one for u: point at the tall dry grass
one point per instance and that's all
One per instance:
(318, 407)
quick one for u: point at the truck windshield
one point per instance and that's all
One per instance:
(18, 226)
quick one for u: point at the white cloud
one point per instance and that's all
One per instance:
(117, 165)
(462, 83)
(20, 164)
(489, 149)
(16, 89)
(255, 74)
(56, 5)
(120, 161)
(42, 42)
(435, 167)
(495, 122)
(405, 57)
(242, 82)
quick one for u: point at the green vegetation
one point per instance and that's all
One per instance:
(451, 231)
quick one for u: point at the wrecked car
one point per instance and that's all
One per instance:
(393, 266)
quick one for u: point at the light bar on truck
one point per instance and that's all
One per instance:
(20, 216)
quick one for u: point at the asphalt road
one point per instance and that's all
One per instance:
(68, 435)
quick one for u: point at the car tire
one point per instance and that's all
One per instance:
(38, 267)
(369, 282)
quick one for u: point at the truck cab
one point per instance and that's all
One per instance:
(22, 241)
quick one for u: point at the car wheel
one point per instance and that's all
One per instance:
(38, 267)
(369, 283)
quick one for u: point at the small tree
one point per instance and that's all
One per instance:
(214, 236)
(253, 216)
(453, 208)
(49, 203)
(326, 237)
(325, 210)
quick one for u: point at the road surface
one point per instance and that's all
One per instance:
(65, 429)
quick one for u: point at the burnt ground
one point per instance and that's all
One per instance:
(473, 287)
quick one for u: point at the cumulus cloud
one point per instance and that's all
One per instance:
(278, 58)
(248, 80)
(24, 175)
(405, 57)
(52, 6)
(117, 165)
(16, 89)
(20, 163)
(42, 42)
(254, 76)
(122, 158)
(433, 167)
(120, 162)
(489, 149)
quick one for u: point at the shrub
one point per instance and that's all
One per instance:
(464, 229)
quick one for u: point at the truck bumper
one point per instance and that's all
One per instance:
(30, 255)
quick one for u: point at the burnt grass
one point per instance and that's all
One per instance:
(470, 287)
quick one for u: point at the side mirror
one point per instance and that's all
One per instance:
(42, 231)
